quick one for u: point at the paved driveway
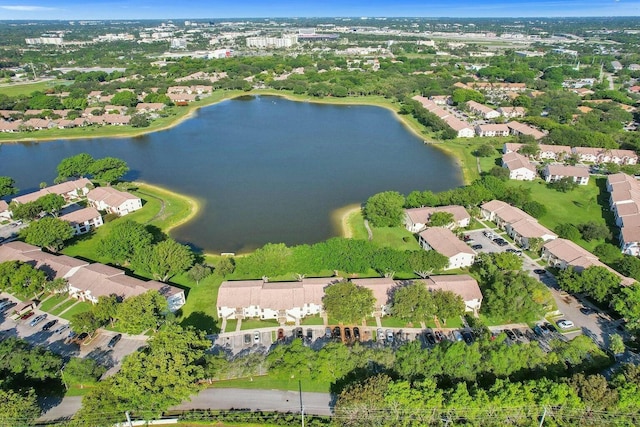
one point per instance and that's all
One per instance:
(95, 349)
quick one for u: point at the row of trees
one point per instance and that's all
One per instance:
(107, 169)
(134, 315)
(336, 254)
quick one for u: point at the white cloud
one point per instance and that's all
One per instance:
(22, 8)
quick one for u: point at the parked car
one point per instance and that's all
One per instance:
(49, 324)
(540, 271)
(246, 339)
(356, 333)
(256, 337)
(511, 335)
(347, 334)
(337, 334)
(457, 336)
(80, 338)
(467, 238)
(61, 328)
(476, 247)
(538, 331)
(309, 334)
(37, 319)
(389, 333)
(500, 242)
(565, 324)
(586, 310)
(430, 338)
(4, 304)
(439, 336)
(380, 334)
(550, 327)
(467, 337)
(114, 340)
(27, 315)
(6, 307)
(281, 333)
(327, 332)
(298, 333)
(514, 251)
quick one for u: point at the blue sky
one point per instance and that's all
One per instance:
(164, 9)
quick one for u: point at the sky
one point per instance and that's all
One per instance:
(211, 9)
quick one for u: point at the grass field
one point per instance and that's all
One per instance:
(578, 206)
(248, 324)
(63, 307)
(28, 88)
(80, 307)
(51, 302)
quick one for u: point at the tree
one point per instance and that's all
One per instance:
(347, 302)
(139, 121)
(126, 239)
(109, 169)
(598, 282)
(106, 308)
(447, 305)
(535, 209)
(534, 244)
(499, 172)
(594, 391)
(21, 278)
(51, 203)
(165, 259)
(85, 321)
(82, 371)
(485, 150)
(198, 272)
(616, 345)
(141, 312)
(125, 98)
(513, 296)
(627, 264)
(564, 185)
(627, 303)
(225, 266)
(569, 231)
(7, 186)
(18, 408)
(59, 285)
(593, 231)
(531, 149)
(385, 209)
(413, 302)
(441, 219)
(25, 211)
(163, 374)
(50, 233)
(74, 167)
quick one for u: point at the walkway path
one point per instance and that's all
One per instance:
(369, 232)
(68, 308)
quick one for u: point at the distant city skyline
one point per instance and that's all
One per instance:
(206, 9)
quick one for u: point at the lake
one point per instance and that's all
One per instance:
(264, 168)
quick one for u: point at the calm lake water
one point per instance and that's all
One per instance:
(265, 169)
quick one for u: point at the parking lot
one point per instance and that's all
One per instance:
(95, 348)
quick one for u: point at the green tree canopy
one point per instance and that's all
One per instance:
(50, 233)
(125, 98)
(126, 239)
(108, 169)
(413, 302)
(441, 219)
(7, 186)
(385, 209)
(142, 312)
(347, 302)
(18, 408)
(165, 259)
(74, 167)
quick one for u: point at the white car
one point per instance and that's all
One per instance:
(565, 324)
(256, 337)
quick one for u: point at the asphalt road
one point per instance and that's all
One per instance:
(221, 398)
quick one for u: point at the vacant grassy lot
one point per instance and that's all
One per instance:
(28, 88)
(585, 203)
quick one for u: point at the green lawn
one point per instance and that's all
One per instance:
(392, 322)
(51, 302)
(578, 206)
(312, 321)
(356, 225)
(232, 324)
(63, 306)
(28, 88)
(395, 237)
(81, 307)
(257, 324)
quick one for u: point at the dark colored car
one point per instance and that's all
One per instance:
(538, 330)
(246, 339)
(336, 332)
(80, 338)
(550, 327)
(467, 337)
(540, 271)
(27, 315)
(356, 333)
(586, 310)
(281, 334)
(298, 333)
(501, 242)
(476, 247)
(545, 329)
(327, 332)
(518, 333)
(8, 306)
(113, 341)
(309, 334)
(49, 324)
(347, 334)
(511, 335)
(430, 338)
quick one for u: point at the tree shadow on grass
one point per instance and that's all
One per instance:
(201, 321)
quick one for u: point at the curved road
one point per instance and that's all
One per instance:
(222, 398)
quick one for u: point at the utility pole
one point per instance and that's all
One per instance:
(301, 405)
(544, 414)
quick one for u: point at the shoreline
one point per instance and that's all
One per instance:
(193, 203)
(340, 219)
